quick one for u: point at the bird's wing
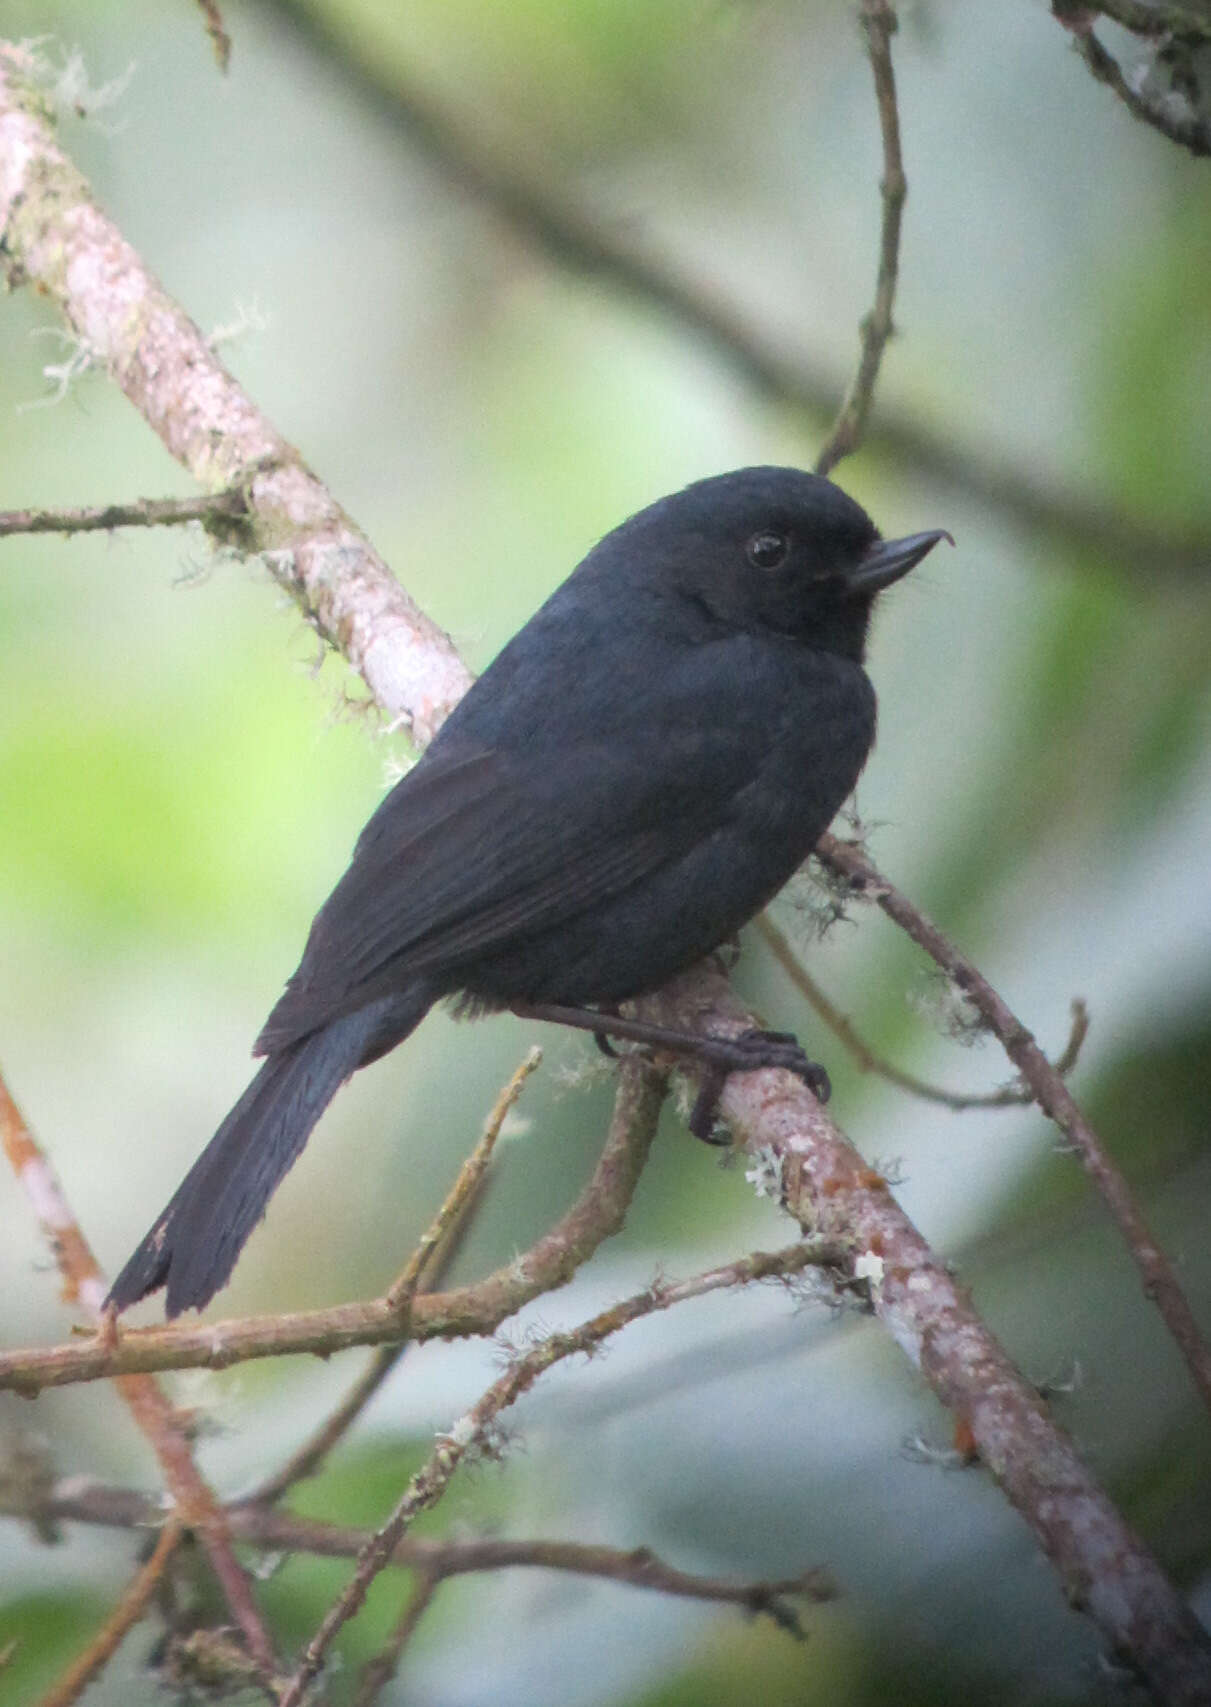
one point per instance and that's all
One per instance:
(477, 849)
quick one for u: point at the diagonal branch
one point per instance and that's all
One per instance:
(55, 238)
(824, 1183)
(130, 1608)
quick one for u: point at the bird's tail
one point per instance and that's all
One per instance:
(194, 1243)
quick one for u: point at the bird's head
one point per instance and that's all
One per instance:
(776, 549)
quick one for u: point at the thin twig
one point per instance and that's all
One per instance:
(433, 1252)
(475, 1433)
(125, 1615)
(231, 505)
(378, 1672)
(195, 1504)
(216, 30)
(849, 429)
(1051, 1094)
(78, 1500)
(842, 1027)
(470, 1178)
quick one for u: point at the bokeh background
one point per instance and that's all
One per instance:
(182, 777)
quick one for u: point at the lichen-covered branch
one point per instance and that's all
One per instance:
(824, 1183)
(54, 237)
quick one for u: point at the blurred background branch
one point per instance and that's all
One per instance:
(519, 190)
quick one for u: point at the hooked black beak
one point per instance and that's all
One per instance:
(888, 559)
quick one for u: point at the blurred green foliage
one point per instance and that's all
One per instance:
(179, 786)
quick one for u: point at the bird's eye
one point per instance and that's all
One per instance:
(767, 550)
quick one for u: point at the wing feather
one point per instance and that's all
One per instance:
(478, 849)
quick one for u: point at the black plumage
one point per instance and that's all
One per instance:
(636, 774)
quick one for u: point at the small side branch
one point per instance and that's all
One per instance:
(231, 505)
(843, 1028)
(476, 1432)
(1052, 1095)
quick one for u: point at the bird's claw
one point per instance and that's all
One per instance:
(783, 1049)
(747, 1053)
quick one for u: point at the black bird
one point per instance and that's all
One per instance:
(637, 773)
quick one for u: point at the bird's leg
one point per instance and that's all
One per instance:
(601, 1039)
(720, 1055)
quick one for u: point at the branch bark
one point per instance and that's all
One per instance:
(56, 239)
(1105, 1568)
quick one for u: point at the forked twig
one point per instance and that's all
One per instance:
(476, 1432)
(1051, 1094)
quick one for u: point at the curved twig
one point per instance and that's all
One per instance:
(868, 1061)
(849, 429)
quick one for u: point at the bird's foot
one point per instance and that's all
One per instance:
(747, 1053)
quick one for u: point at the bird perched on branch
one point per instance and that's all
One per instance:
(637, 773)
